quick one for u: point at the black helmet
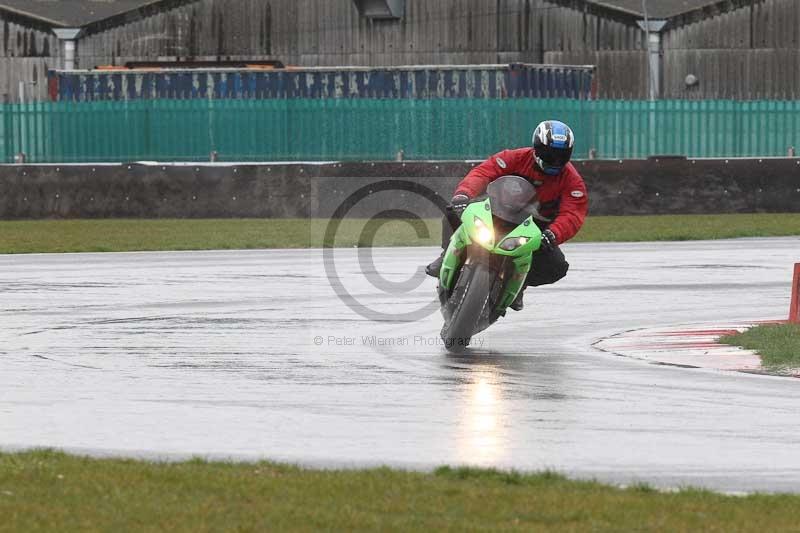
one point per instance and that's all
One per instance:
(552, 146)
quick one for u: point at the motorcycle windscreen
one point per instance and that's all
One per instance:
(510, 196)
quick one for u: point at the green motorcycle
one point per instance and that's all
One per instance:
(488, 259)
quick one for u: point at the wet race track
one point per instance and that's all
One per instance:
(253, 355)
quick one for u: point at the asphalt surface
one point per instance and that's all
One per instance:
(253, 355)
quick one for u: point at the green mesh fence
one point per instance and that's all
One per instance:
(372, 129)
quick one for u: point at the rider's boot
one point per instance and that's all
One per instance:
(517, 304)
(434, 268)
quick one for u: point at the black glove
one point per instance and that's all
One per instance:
(458, 203)
(549, 240)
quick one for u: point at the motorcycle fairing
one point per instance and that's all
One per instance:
(466, 235)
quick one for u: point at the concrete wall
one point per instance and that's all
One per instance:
(654, 186)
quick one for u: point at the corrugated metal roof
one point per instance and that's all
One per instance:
(79, 13)
(72, 13)
(659, 9)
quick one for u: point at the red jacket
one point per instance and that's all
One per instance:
(563, 197)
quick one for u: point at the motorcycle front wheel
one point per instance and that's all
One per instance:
(468, 300)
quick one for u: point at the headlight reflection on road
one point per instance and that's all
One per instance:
(482, 431)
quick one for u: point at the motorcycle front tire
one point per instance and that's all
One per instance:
(469, 300)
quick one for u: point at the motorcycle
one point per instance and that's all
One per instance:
(487, 259)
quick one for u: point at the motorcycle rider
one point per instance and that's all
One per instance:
(560, 193)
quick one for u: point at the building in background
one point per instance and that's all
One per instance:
(741, 49)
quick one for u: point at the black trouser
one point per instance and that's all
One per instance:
(547, 266)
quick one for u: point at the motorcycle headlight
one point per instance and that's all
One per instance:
(513, 243)
(483, 233)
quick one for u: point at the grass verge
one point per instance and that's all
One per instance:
(777, 344)
(124, 235)
(688, 227)
(121, 235)
(50, 491)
